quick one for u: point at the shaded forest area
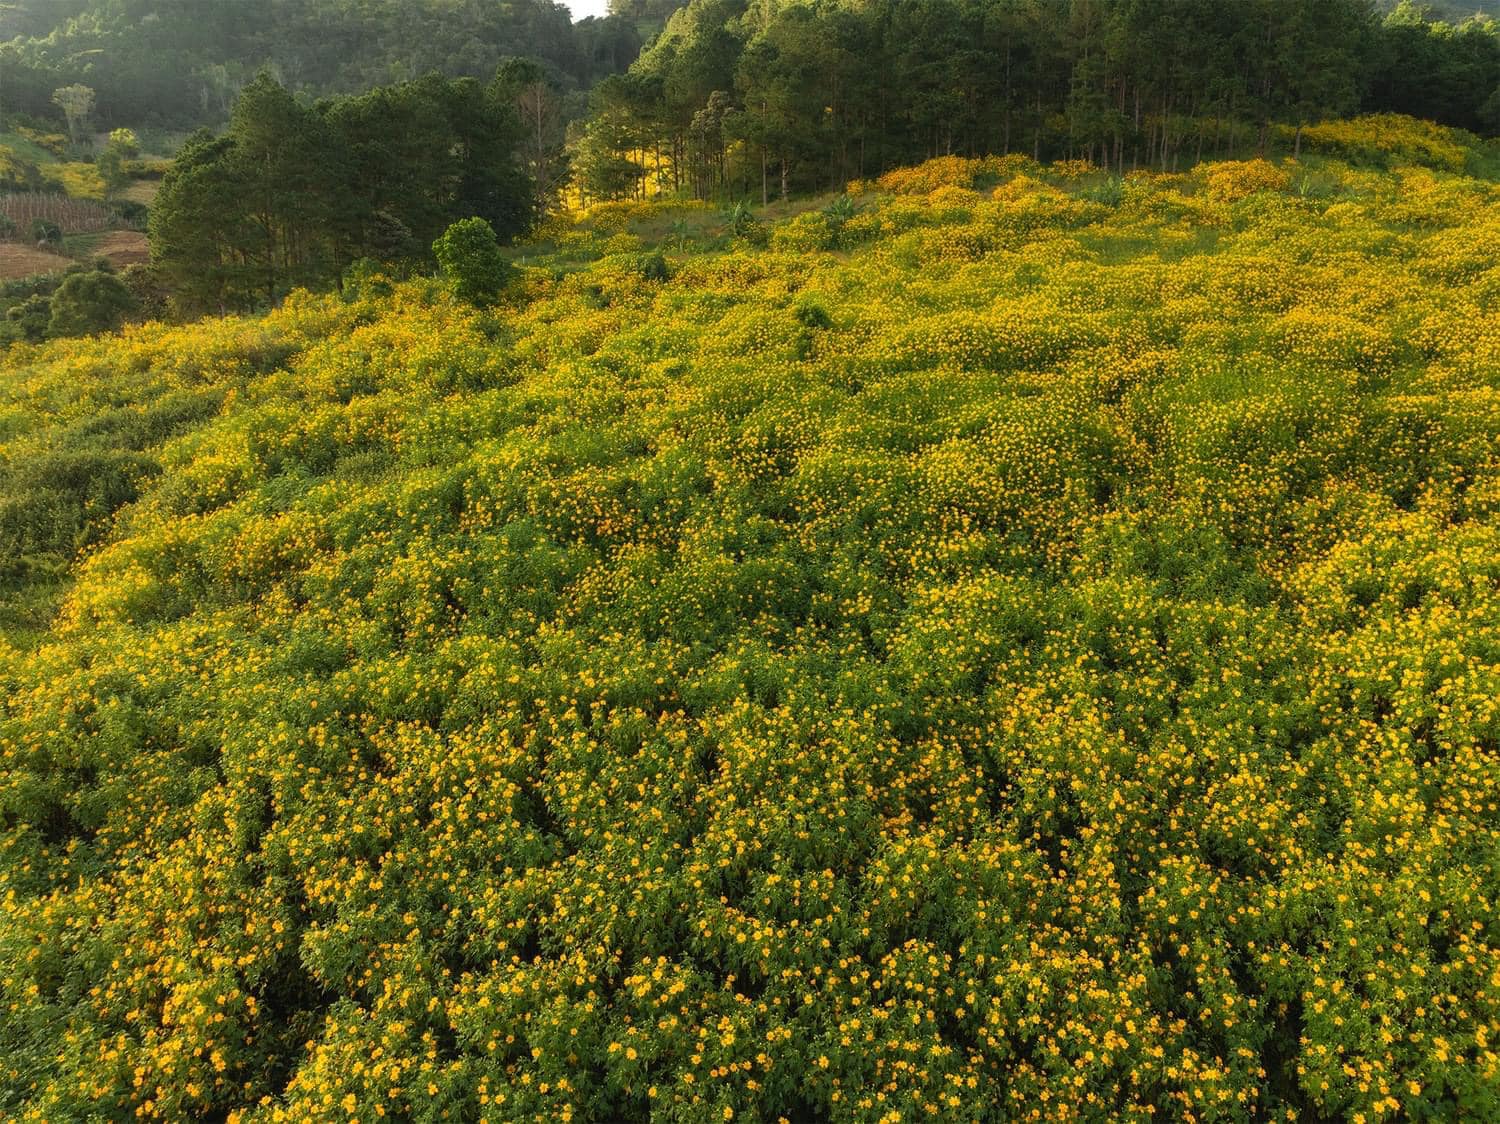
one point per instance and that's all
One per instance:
(294, 193)
(738, 96)
(181, 63)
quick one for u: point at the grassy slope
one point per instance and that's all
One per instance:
(1039, 656)
(26, 149)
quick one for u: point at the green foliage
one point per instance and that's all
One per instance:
(76, 102)
(115, 161)
(29, 319)
(841, 210)
(469, 255)
(183, 62)
(774, 98)
(1037, 662)
(85, 300)
(293, 193)
(1110, 191)
(740, 222)
(367, 279)
(89, 302)
(147, 290)
(45, 232)
(603, 163)
(653, 267)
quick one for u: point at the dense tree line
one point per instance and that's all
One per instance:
(1448, 72)
(740, 95)
(184, 61)
(294, 191)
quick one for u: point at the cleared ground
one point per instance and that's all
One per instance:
(20, 260)
(123, 247)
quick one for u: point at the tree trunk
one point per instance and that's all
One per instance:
(1166, 132)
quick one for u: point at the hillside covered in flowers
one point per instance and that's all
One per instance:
(1017, 643)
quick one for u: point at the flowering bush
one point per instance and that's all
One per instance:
(953, 171)
(1232, 180)
(1037, 663)
(1390, 138)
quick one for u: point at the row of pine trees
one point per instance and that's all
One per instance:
(747, 96)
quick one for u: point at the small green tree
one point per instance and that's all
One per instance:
(740, 221)
(45, 232)
(90, 302)
(28, 320)
(469, 255)
(148, 288)
(122, 147)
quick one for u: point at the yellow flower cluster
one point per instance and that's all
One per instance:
(953, 171)
(1231, 180)
(1037, 662)
(1391, 138)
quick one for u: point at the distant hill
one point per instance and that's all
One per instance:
(183, 61)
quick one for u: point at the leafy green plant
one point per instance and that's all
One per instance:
(45, 232)
(88, 302)
(1035, 662)
(469, 255)
(740, 222)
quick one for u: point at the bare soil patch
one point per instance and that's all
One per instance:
(20, 260)
(123, 247)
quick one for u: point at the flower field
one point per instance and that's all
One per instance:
(1028, 650)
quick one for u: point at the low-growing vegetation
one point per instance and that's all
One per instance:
(1012, 642)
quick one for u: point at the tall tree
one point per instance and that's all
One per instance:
(197, 231)
(76, 103)
(522, 84)
(290, 191)
(293, 192)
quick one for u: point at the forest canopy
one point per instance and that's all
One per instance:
(805, 96)
(183, 62)
(293, 193)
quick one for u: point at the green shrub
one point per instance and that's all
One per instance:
(45, 232)
(85, 303)
(653, 267)
(29, 320)
(470, 256)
